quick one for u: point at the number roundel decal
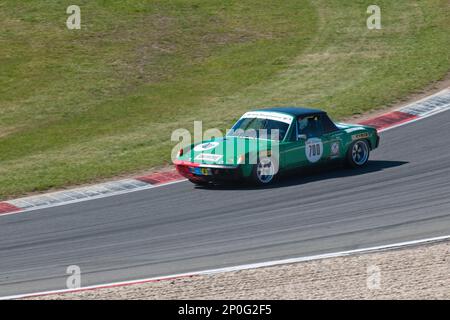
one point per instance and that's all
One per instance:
(205, 146)
(313, 149)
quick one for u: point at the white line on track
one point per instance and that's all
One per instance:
(112, 194)
(239, 268)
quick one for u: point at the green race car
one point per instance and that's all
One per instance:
(263, 143)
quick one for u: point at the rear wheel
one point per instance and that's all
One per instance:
(264, 171)
(358, 153)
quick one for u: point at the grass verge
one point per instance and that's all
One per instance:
(81, 105)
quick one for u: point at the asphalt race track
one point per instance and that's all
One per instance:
(402, 195)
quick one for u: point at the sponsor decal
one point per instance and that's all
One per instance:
(313, 149)
(358, 136)
(269, 115)
(206, 146)
(208, 157)
(335, 149)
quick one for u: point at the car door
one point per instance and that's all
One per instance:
(332, 139)
(306, 146)
(310, 129)
(292, 149)
(316, 140)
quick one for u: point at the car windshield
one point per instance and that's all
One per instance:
(259, 128)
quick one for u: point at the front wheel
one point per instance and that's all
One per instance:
(358, 154)
(264, 171)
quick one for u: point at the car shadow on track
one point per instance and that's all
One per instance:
(319, 173)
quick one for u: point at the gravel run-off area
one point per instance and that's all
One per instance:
(421, 272)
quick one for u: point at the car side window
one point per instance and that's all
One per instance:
(328, 125)
(310, 126)
(293, 132)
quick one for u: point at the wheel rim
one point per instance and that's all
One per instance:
(360, 153)
(265, 170)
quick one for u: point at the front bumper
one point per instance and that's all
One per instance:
(214, 172)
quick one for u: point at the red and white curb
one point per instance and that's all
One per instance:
(399, 245)
(423, 108)
(96, 191)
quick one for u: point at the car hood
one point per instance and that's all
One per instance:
(225, 151)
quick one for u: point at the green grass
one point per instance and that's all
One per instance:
(82, 105)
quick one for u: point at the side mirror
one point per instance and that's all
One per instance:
(302, 137)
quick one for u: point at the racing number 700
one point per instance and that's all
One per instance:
(314, 149)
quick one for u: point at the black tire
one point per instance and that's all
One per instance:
(264, 165)
(358, 154)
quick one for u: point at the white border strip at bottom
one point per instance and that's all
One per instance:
(237, 268)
